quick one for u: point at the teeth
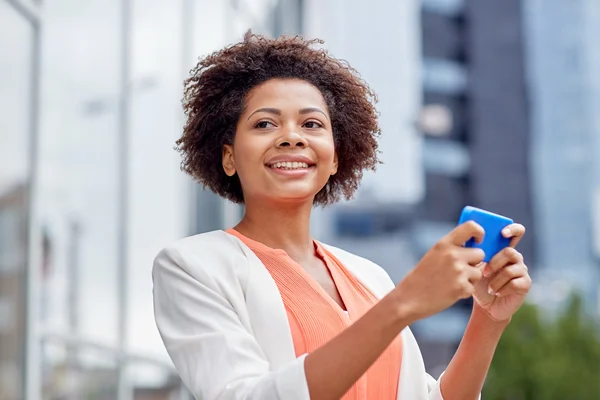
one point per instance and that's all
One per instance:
(289, 165)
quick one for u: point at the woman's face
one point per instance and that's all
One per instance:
(283, 149)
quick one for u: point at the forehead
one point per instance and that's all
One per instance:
(283, 93)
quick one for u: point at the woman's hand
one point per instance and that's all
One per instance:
(505, 281)
(447, 273)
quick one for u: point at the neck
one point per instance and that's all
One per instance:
(281, 226)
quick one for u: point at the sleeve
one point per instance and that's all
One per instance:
(434, 388)
(216, 357)
(415, 382)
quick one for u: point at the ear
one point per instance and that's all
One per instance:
(335, 164)
(227, 160)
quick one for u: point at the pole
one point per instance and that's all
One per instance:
(123, 391)
(32, 369)
(72, 310)
(187, 43)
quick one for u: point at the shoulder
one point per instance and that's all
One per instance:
(205, 257)
(368, 272)
(210, 246)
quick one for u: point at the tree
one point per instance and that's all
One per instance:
(539, 359)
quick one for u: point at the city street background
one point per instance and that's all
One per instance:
(489, 103)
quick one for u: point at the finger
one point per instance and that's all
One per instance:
(465, 231)
(519, 286)
(472, 255)
(474, 275)
(468, 288)
(506, 256)
(508, 273)
(515, 232)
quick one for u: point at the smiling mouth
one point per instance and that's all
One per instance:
(290, 165)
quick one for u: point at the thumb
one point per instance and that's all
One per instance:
(484, 272)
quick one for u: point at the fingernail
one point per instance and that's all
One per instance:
(486, 272)
(491, 291)
(506, 232)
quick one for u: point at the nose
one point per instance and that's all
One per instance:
(291, 138)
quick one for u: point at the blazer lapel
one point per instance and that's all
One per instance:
(267, 312)
(369, 274)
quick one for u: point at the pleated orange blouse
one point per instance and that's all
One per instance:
(315, 318)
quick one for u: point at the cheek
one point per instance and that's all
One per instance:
(248, 161)
(326, 151)
(247, 153)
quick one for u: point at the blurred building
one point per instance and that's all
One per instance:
(564, 94)
(476, 129)
(475, 72)
(13, 253)
(495, 132)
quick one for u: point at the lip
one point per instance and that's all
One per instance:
(291, 173)
(290, 158)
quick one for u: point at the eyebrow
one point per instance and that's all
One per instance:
(308, 110)
(277, 111)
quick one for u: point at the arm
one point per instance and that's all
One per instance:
(465, 375)
(333, 368)
(497, 297)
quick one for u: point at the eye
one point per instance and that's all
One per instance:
(313, 124)
(264, 124)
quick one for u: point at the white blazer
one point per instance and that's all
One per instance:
(222, 320)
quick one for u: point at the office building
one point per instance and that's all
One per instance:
(564, 91)
(475, 123)
(13, 252)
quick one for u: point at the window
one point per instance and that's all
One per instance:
(443, 76)
(369, 222)
(446, 7)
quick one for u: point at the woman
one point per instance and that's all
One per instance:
(264, 311)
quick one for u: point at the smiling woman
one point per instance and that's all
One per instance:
(263, 310)
(229, 93)
(285, 151)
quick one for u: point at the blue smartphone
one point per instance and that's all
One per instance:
(493, 224)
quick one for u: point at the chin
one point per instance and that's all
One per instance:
(293, 197)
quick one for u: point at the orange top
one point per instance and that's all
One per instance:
(315, 318)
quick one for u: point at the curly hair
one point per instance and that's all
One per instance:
(214, 99)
